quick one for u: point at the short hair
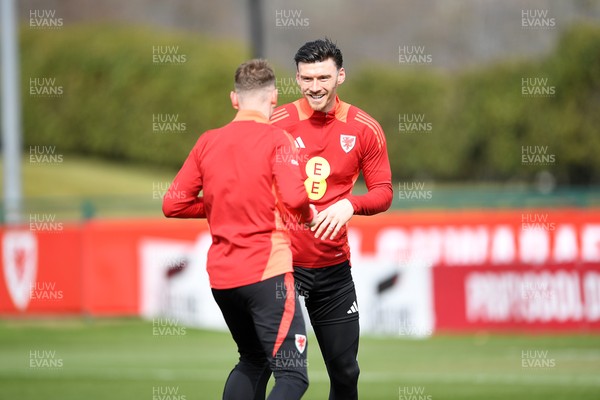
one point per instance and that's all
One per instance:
(254, 74)
(319, 50)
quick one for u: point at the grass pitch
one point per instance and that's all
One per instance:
(126, 359)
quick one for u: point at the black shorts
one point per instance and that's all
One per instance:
(329, 293)
(266, 323)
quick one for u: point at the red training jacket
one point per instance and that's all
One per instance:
(248, 172)
(333, 148)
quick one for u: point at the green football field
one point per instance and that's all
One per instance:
(129, 359)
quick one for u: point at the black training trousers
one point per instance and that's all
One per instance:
(266, 323)
(330, 298)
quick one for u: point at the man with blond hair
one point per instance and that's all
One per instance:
(249, 176)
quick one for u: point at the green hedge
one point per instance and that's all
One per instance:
(113, 90)
(479, 119)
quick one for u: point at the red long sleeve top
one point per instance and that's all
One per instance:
(249, 176)
(333, 148)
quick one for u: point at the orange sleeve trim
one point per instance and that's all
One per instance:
(288, 312)
(373, 125)
(279, 115)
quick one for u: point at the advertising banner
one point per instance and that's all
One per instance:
(415, 271)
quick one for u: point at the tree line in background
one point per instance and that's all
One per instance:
(142, 96)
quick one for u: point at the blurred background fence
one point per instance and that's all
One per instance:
(73, 209)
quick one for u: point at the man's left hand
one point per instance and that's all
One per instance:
(331, 219)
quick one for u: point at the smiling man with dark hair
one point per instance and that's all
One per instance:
(336, 141)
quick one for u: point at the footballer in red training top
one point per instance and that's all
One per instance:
(246, 190)
(334, 147)
(336, 141)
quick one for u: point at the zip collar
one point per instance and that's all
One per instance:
(320, 116)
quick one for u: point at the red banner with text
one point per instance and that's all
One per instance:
(529, 298)
(490, 269)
